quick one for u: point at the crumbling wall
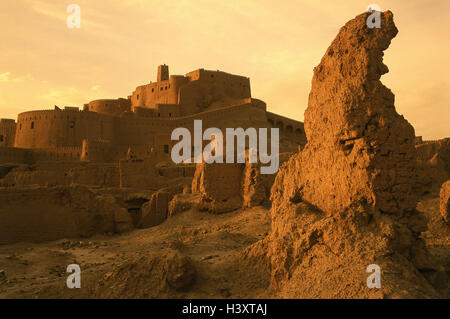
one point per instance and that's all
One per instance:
(445, 201)
(228, 186)
(434, 162)
(359, 148)
(36, 214)
(156, 210)
(63, 174)
(348, 199)
(218, 185)
(255, 187)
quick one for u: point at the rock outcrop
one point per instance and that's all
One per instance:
(445, 201)
(348, 199)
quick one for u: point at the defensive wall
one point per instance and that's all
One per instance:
(105, 130)
(7, 132)
(191, 93)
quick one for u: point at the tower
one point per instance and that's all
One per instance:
(163, 73)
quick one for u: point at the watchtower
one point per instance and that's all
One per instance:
(163, 73)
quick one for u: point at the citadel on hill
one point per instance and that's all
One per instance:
(107, 130)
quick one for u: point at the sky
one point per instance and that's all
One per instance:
(275, 43)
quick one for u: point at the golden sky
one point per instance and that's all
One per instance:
(275, 43)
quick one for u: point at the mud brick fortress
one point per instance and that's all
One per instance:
(108, 130)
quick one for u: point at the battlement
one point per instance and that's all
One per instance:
(7, 121)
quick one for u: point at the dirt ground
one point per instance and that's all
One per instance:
(212, 242)
(38, 270)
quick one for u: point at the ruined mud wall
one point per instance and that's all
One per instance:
(140, 174)
(224, 187)
(359, 148)
(445, 201)
(348, 199)
(434, 161)
(62, 173)
(36, 214)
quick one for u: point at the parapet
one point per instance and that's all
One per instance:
(7, 121)
(109, 106)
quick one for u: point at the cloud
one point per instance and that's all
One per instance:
(5, 77)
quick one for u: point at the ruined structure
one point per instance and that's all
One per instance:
(348, 199)
(7, 132)
(106, 129)
(226, 187)
(445, 201)
(49, 213)
(434, 162)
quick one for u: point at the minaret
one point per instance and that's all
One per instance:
(163, 73)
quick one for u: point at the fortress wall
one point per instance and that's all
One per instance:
(66, 154)
(7, 132)
(288, 127)
(194, 75)
(58, 135)
(141, 134)
(52, 173)
(176, 82)
(245, 116)
(61, 128)
(97, 151)
(164, 92)
(168, 110)
(212, 88)
(146, 175)
(142, 174)
(15, 155)
(141, 111)
(109, 106)
(198, 90)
